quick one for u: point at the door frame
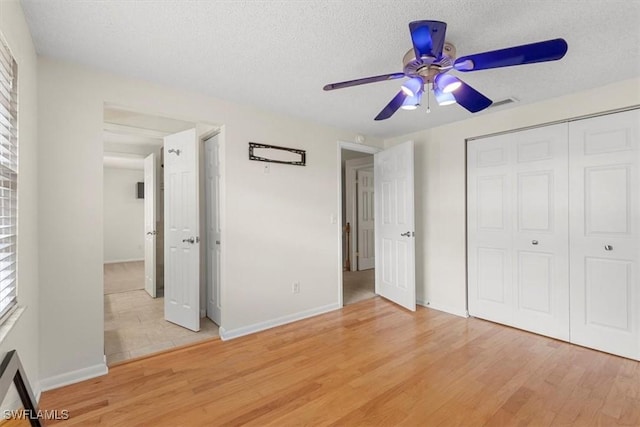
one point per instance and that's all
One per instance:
(350, 176)
(205, 129)
(352, 146)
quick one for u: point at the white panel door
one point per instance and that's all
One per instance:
(518, 230)
(212, 188)
(394, 225)
(366, 239)
(150, 225)
(182, 254)
(490, 251)
(605, 233)
(541, 231)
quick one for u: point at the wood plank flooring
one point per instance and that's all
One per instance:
(370, 363)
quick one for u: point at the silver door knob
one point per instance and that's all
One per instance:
(407, 234)
(534, 242)
(608, 247)
(189, 240)
(152, 233)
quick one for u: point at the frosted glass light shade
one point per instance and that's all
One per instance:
(447, 83)
(443, 98)
(412, 86)
(412, 102)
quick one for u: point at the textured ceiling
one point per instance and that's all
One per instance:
(278, 55)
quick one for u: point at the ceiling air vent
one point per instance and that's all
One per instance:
(503, 102)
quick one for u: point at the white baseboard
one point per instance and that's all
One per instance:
(73, 377)
(123, 260)
(257, 327)
(444, 308)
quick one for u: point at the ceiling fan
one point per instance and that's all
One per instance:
(432, 57)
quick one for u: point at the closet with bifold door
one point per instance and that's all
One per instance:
(553, 231)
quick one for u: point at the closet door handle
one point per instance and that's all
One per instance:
(534, 242)
(608, 247)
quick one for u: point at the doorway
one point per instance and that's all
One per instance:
(134, 305)
(394, 221)
(358, 219)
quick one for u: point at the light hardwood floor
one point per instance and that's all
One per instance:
(371, 363)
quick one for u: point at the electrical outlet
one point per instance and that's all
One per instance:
(296, 287)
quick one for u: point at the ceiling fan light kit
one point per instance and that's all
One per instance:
(442, 98)
(412, 86)
(447, 83)
(412, 102)
(431, 58)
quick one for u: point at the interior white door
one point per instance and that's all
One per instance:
(182, 254)
(518, 230)
(541, 234)
(394, 225)
(150, 224)
(212, 188)
(605, 233)
(366, 240)
(489, 229)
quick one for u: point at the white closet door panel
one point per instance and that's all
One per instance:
(605, 233)
(489, 224)
(517, 230)
(540, 238)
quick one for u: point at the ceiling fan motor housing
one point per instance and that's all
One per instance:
(428, 67)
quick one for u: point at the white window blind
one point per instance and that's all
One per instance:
(8, 178)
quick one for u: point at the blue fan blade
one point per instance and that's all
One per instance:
(427, 38)
(365, 80)
(471, 99)
(550, 50)
(392, 106)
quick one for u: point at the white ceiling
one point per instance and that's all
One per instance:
(279, 54)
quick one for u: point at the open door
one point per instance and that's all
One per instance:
(394, 225)
(212, 186)
(182, 241)
(150, 225)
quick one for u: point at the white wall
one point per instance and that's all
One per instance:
(277, 225)
(440, 183)
(123, 215)
(24, 336)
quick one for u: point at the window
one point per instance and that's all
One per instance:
(8, 179)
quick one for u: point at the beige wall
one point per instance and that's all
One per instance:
(277, 226)
(440, 183)
(24, 336)
(123, 215)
